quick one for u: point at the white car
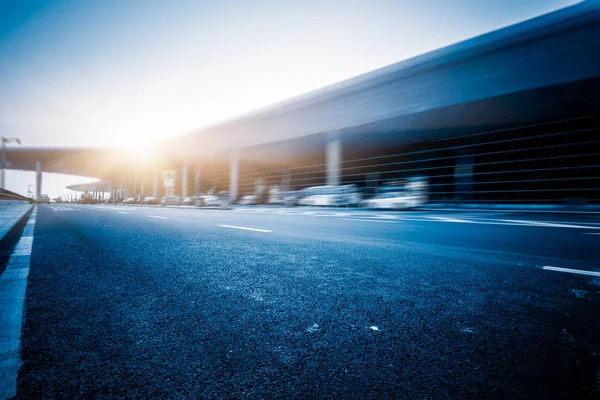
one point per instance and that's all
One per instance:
(189, 201)
(248, 200)
(394, 201)
(170, 201)
(151, 200)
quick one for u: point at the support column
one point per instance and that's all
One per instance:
(333, 159)
(155, 182)
(233, 175)
(197, 177)
(3, 176)
(184, 180)
(38, 180)
(463, 177)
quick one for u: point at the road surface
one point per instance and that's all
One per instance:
(140, 302)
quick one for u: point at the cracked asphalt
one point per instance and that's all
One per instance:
(122, 304)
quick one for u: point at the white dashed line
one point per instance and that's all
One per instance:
(572, 271)
(371, 220)
(554, 225)
(157, 216)
(122, 212)
(244, 228)
(13, 284)
(446, 219)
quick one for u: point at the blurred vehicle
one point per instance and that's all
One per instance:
(170, 201)
(291, 197)
(275, 195)
(330, 196)
(130, 200)
(411, 194)
(44, 199)
(189, 201)
(210, 200)
(151, 200)
(250, 199)
(222, 200)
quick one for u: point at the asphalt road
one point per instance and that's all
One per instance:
(140, 302)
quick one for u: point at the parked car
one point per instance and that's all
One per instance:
(130, 200)
(222, 200)
(248, 200)
(151, 200)
(189, 201)
(400, 196)
(210, 200)
(345, 195)
(170, 201)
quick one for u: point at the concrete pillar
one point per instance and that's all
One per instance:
(197, 176)
(463, 178)
(184, 180)
(135, 183)
(38, 180)
(233, 174)
(333, 159)
(155, 182)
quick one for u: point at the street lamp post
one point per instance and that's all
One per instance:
(4, 141)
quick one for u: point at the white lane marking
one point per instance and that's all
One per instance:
(447, 219)
(374, 328)
(157, 216)
(554, 225)
(592, 233)
(31, 221)
(23, 248)
(385, 216)
(572, 271)
(122, 212)
(371, 220)
(244, 228)
(13, 284)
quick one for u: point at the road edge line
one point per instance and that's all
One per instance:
(13, 285)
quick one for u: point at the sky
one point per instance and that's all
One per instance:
(128, 73)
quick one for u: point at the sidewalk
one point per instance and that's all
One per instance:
(10, 213)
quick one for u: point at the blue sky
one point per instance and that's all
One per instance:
(126, 73)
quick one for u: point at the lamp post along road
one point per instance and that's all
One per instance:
(4, 141)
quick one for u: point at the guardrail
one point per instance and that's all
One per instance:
(8, 195)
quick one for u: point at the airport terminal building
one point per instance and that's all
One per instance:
(508, 117)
